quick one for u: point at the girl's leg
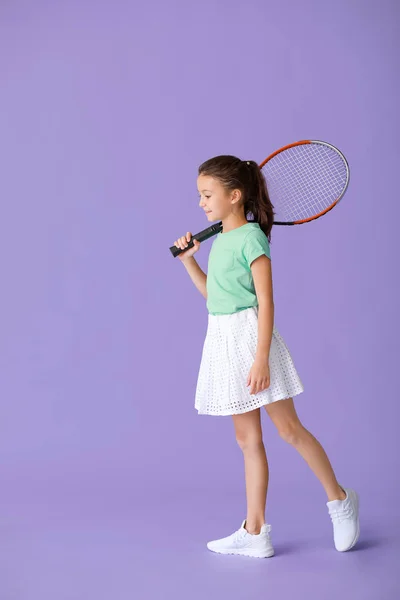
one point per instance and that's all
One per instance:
(283, 415)
(249, 437)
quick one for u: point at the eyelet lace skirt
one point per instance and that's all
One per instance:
(228, 354)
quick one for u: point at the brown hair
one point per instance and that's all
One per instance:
(247, 177)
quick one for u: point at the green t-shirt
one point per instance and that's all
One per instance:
(230, 285)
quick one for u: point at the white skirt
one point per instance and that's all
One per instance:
(228, 354)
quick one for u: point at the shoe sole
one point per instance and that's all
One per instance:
(354, 542)
(251, 553)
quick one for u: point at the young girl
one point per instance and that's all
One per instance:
(245, 363)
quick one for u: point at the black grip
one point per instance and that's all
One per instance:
(201, 236)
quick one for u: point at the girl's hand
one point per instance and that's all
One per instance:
(259, 376)
(182, 243)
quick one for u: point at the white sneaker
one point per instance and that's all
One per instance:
(244, 543)
(346, 525)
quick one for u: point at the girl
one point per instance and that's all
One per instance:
(245, 362)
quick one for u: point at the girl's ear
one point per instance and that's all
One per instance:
(236, 195)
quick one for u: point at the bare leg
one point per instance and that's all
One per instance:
(284, 417)
(249, 437)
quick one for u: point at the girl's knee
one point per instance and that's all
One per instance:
(291, 432)
(249, 442)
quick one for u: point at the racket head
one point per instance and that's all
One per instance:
(305, 180)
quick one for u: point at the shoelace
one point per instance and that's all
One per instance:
(239, 535)
(340, 514)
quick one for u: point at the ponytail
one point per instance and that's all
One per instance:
(257, 200)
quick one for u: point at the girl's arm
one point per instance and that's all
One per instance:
(262, 275)
(197, 275)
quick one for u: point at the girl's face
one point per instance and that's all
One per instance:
(214, 198)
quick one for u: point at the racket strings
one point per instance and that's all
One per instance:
(305, 180)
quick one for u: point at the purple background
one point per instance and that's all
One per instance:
(110, 482)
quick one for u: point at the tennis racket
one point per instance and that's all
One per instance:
(305, 180)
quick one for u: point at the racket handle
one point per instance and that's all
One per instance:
(201, 236)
